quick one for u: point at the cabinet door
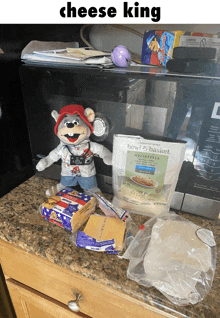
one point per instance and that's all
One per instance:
(59, 284)
(29, 303)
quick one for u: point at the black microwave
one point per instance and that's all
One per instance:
(139, 100)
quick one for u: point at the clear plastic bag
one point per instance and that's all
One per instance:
(175, 256)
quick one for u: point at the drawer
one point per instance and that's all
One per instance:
(29, 303)
(59, 283)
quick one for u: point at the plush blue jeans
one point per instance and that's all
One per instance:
(84, 182)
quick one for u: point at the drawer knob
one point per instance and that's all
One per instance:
(74, 304)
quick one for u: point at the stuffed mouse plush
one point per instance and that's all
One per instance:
(73, 128)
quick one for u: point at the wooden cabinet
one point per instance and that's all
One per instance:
(40, 288)
(30, 303)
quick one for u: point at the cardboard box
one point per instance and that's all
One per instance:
(158, 45)
(104, 228)
(68, 209)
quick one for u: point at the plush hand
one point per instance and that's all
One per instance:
(42, 164)
(106, 156)
(108, 159)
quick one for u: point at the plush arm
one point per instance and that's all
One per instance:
(48, 161)
(103, 153)
(107, 156)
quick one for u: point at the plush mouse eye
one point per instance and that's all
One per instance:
(75, 121)
(66, 121)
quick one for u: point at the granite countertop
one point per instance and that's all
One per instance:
(22, 225)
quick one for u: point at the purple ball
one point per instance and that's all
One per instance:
(121, 56)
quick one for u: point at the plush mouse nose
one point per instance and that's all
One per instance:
(70, 125)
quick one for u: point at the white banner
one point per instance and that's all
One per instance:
(109, 12)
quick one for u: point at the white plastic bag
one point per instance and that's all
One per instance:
(145, 173)
(175, 256)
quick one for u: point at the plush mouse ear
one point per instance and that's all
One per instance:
(55, 115)
(90, 115)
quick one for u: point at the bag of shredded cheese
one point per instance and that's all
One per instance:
(145, 173)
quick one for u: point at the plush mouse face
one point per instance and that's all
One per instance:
(73, 124)
(73, 130)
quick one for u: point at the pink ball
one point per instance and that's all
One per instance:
(121, 56)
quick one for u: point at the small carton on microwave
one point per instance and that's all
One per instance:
(68, 209)
(158, 45)
(202, 41)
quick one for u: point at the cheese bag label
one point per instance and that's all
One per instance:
(146, 172)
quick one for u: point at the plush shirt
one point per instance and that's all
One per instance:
(64, 153)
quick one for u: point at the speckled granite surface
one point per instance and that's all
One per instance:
(23, 226)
